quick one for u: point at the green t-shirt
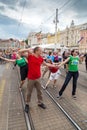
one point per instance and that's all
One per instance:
(21, 62)
(73, 64)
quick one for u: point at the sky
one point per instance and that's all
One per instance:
(20, 17)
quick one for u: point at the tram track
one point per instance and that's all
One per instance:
(62, 110)
(79, 81)
(28, 118)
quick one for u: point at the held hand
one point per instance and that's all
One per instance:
(59, 66)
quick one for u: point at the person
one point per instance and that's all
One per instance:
(56, 58)
(50, 56)
(22, 63)
(59, 56)
(13, 57)
(55, 72)
(85, 61)
(35, 61)
(73, 60)
(0, 58)
(65, 55)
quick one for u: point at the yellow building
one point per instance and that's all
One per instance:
(51, 38)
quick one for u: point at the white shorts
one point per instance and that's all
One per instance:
(54, 76)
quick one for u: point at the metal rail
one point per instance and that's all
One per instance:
(62, 75)
(28, 119)
(62, 109)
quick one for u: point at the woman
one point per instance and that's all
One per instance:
(55, 72)
(73, 60)
(22, 63)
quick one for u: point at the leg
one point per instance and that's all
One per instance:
(21, 84)
(39, 93)
(68, 78)
(45, 71)
(49, 74)
(54, 85)
(86, 65)
(75, 77)
(47, 83)
(29, 90)
(55, 81)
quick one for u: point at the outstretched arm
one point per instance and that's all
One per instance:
(25, 52)
(50, 65)
(64, 62)
(29, 50)
(9, 60)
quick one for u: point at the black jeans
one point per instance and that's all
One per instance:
(86, 65)
(69, 75)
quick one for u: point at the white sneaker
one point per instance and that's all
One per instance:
(54, 86)
(59, 96)
(45, 87)
(74, 96)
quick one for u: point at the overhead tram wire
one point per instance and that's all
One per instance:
(66, 8)
(21, 16)
(58, 9)
(68, 1)
(77, 1)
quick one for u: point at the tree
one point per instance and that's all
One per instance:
(26, 41)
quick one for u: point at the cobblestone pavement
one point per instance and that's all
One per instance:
(11, 111)
(50, 118)
(77, 109)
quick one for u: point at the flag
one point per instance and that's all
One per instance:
(80, 39)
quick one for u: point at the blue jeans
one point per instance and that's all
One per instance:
(70, 75)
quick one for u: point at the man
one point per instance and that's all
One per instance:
(34, 73)
(85, 61)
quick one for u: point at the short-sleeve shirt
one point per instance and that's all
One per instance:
(21, 62)
(53, 69)
(73, 64)
(34, 65)
(51, 58)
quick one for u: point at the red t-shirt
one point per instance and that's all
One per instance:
(34, 64)
(53, 70)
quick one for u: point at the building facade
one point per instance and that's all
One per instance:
(83, 41)
(69, 37)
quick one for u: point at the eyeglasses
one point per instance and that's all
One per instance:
(76, 52)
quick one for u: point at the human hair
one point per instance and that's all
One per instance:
(50, 53)
(72, 52)
(63, 54)
(49, 61)
(36, 49)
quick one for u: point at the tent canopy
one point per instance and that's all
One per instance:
(51, 46)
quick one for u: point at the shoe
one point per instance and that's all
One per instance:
(54, 86)
(74, 96)
(42, 105)
(45, 87)
(26, 108)
(59, 96)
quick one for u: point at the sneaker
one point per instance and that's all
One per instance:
(26, 108)
(54, 86)
(59, 96)
(42, 105)
(74, 96)
(45, 87)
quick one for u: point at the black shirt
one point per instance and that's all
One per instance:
(85, 57)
